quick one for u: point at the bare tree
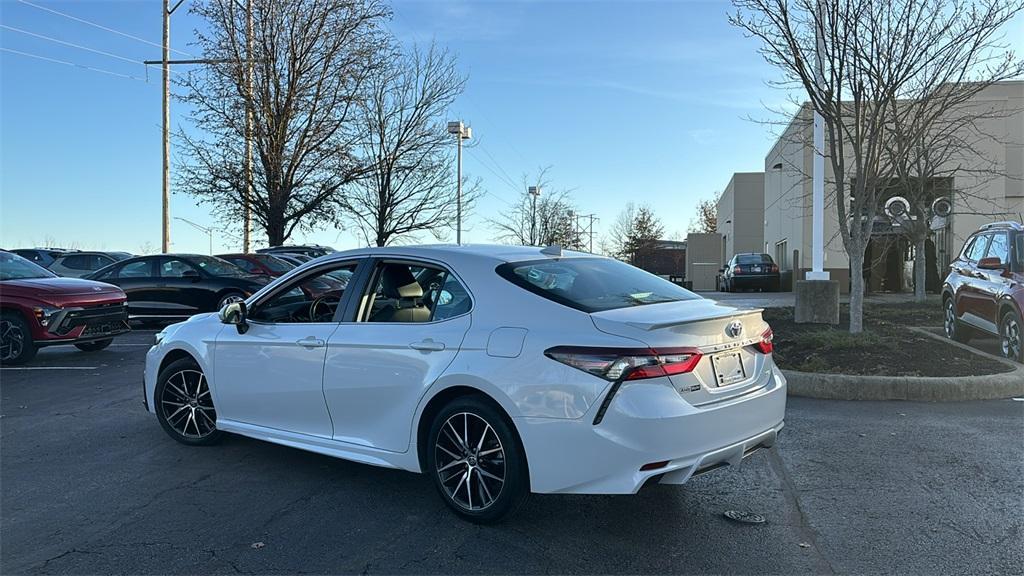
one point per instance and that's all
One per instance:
(873, 54)
(540, 221)
(706, 220)
(411, 186)
(310, 62)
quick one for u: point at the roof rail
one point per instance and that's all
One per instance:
(1004, 224)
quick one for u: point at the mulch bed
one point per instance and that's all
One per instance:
(885, 348)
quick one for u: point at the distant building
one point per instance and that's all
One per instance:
(740, 214)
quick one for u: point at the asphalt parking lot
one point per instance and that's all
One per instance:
(91, 484)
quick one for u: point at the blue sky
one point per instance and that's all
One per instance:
(625, 101)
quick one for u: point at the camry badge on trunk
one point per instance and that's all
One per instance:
(734, 329)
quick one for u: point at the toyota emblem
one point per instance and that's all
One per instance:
(734, 329)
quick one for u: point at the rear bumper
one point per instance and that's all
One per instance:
(650, 423)
(760, 281)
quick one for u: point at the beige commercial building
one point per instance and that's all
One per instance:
(741, 214)
(998, 194)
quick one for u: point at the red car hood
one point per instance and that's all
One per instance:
(62, 291)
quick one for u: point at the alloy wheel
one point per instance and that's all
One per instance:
(1011, 338)
(949, 321)
(230, 299)
(12, 340)
(470, 461)
(187, 405)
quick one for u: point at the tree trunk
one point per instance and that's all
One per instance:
(857, 291)
(920, 269)
(275, 232)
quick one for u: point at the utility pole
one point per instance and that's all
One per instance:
(818, 166)
(165, 65)
(535, 192)
(461, 132)
(247, 195)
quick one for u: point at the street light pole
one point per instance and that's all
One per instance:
(535, 192)
(461, 132)
(207, 231)
(818, 165)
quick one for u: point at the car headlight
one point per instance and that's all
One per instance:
(44, 314)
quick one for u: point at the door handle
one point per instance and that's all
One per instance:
(310, 342)
(427, 346)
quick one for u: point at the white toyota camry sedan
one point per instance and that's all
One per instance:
(495, 370)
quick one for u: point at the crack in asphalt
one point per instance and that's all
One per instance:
(792, 496)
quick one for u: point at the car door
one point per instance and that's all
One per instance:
(992, 284)
(271, 374)
(971, 295)
(405, 329)
(138, 280)
(181, 287)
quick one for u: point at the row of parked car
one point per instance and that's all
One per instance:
(51, 296)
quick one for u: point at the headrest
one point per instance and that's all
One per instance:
(398, 282)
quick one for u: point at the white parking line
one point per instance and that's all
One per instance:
(6, 368)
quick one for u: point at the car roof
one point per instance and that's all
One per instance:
(497, 253)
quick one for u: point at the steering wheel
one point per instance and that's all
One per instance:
(328, 303)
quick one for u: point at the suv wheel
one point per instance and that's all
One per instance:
(955, 330)
(16, 346)
(184, 405)
(1010, 338)
(476, 461)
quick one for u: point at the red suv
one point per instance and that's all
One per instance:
(984, 290)
(39, 308)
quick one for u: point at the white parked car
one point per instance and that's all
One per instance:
(496, 370)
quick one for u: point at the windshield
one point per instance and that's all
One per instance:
(592, 284)
(217, 267)
(14, 267)
(273, 263)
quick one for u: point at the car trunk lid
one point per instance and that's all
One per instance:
(724, 334)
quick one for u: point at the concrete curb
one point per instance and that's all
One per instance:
(930, 389)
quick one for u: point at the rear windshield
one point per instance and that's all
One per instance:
(273, 263)
(753, 259)
(592, 284)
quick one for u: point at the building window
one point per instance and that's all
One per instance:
(782, 255)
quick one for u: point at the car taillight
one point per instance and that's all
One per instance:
(773, 268)
(737, 270)
(627, 363)
(765, 346)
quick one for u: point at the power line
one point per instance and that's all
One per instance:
(65, 43)
(66, 63)
(100, 26)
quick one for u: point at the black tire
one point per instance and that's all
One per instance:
(177, 405)
(16, 345)
(226, 299)
(954, 328)
(495, 455)
(94, 346)
(1011, 336)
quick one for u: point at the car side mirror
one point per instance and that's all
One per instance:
(991, 263)
(234, 313)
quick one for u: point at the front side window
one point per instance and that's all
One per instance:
(592, 284)
(1018, 251)
(999, 247)
(312, 298)
(216, 267)
(410, 293)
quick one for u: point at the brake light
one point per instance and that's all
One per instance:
(737, 270)
(773, 268)
(627, 363)
(765, 346)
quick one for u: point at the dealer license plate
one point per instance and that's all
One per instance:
(728, 368)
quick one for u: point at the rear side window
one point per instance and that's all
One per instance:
(592, 284)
